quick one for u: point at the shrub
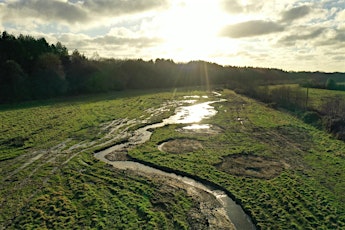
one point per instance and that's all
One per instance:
(311, 117)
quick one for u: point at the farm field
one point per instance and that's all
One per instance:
(318, 96)
(284, 173)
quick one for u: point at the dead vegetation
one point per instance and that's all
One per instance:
(248, 165)
(179, 146)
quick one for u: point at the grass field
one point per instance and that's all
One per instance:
(50, 180)
(318, 96)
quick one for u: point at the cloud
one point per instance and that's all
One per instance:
(340, 19)
(295, 13)
(47, 10)
(235, 7)
(291, 39)
(114, 44)
(138, 42)
(114, 7)
(340, 37)
(332, 38)
(72, 12)
(251, 28)
(341, 16)
(232, 6)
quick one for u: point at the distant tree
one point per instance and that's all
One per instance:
(60, 49)
(49, 77)
(12, 82)
(82, 74)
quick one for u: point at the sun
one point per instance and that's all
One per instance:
(190, 29)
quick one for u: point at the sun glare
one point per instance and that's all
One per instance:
(190, 28)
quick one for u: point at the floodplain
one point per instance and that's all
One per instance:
(284, 173)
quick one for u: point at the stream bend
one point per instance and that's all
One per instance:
(183, 115)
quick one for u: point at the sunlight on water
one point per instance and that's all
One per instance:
(197, 126)
(195, 96)
(192, 114)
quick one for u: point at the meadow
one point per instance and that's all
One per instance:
(50, 179)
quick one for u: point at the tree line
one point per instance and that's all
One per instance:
(33, 69)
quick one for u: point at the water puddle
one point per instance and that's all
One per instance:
(191, 114)
(197, 127)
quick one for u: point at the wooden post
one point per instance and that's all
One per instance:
(306, 101)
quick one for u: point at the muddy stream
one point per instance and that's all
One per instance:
(191, 115)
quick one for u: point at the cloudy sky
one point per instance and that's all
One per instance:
(286, 34)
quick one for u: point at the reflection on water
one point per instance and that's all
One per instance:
(195, 96)
(197, 127)
(192, 113)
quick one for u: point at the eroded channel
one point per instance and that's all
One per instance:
(190, 115)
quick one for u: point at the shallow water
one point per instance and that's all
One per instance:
(197, 127)
(183, 115)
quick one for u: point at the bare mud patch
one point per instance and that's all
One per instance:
(117, 156)
(206, 129)
(252, 166)
(179, 146)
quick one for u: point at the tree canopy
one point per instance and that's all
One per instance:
(32, 68)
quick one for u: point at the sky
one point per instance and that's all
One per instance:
(293, 35)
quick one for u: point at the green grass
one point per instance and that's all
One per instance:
(44, 125)
(88, 195)
(69, 189)
(44, 185)
(318, 96)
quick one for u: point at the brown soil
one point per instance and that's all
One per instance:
(252, 166)
(179, 146)
(117, 156)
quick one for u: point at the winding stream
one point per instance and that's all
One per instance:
(183, 115)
